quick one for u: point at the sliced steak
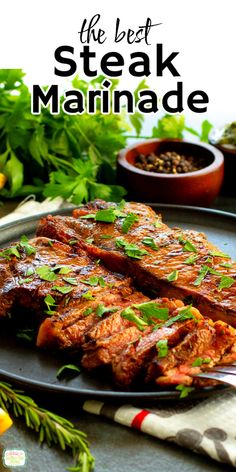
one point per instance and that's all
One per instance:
(201, 349)
(178, 263)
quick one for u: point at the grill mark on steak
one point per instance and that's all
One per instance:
(152, 270)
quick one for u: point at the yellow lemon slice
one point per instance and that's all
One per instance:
(5, 421)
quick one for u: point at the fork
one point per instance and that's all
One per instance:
(224, 373)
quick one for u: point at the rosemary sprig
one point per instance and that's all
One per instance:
(52, 429)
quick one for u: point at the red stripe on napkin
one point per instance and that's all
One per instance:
(138, 419)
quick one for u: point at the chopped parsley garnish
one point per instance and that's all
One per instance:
(88, 295)
(28, 248)
(11, 251)
(151, 243)
(219, 254)
(62, 288)
(26, 334)
(162, 348)
(106, 236)
(88, 311)
(51, 303)
(71, 280)
(89, 240)
(187, 245)
(25, 281)
(29, 271)
(226, 282)
(191, 259)
(101, 310)
(72, 242)
(46, 273)
(94, 280)
(108, 215)
(173, 276)
(157, 224)
(89, 216)
(184, 314)
(201, 275)
(130, 315)
(184, 390)
(152, 310)
(69, 368)
(131, 250)
(199, 361)
(62, 269)
(128, 222)
(227, 265)
(14, 250)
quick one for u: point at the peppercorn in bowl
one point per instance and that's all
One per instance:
(171, 171)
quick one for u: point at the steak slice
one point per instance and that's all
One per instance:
(178, 263)
(135, 359)
(127, 360)
(202, 348)
(68, 328)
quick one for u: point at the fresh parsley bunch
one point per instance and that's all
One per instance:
(56, 155)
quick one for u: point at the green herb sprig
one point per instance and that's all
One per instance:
(51, 428)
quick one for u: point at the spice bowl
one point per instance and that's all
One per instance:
(199, 187)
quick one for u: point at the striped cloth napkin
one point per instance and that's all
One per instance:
(206, 427)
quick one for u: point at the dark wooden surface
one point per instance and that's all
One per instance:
(116, 448)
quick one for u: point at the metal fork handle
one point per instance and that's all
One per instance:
(229, 379)
(227, 369)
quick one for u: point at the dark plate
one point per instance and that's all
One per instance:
(32, 368)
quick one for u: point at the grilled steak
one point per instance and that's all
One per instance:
(80, 305)
(173, 262)
(202, 348)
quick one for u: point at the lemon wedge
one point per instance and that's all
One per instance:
(5, 421)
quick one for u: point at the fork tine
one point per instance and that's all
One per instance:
(229, 379)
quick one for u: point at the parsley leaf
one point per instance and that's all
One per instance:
(162, 347)
(184, 390)
(173, 276)
(69, 368)
(219, 254)
(101, 310)
(152, 310)
(199, 361)
(62, 288)
(106, 216)
(226, 282)
(50, 303)
(94, 280)
(128, 222)
(28, 248)
(130, 315)
(131, 250)
(11, 251)
(88, 295)
(88, 311)
(46, 273)
(71, 280)
(191, 259)
(151, 243)
(188, 246)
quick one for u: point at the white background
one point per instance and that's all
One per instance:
(203, 31)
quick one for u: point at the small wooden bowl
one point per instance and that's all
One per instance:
(193, 188)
